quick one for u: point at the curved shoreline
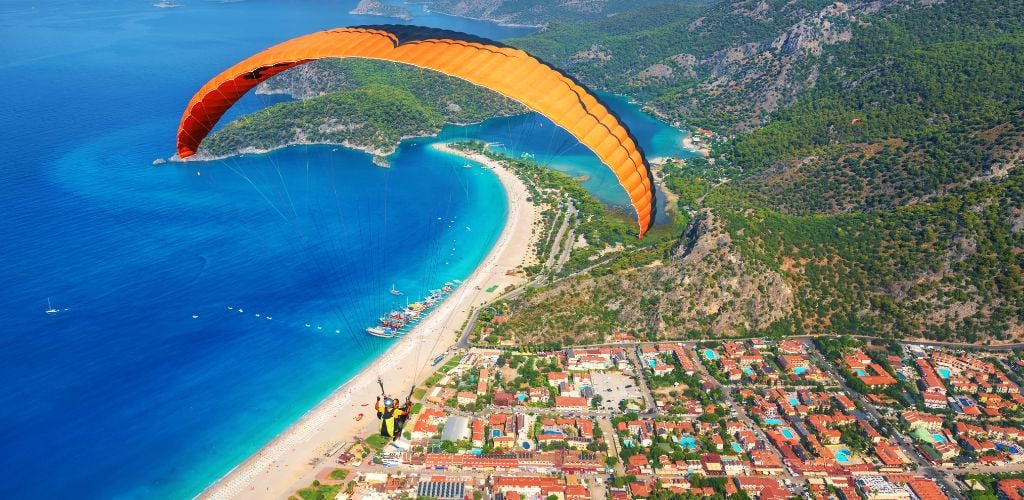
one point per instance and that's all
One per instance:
(372, 151)
(282, 465)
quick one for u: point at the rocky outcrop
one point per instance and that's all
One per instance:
(686, 63)
(769, 74)
(595, 54)
(378, 8)
(705, 289)
(717, 287)
(655, 71)
(306, 81)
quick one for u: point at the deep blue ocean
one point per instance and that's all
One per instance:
(124, 393)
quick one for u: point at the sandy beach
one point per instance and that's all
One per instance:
(283, 465)
(702, 148)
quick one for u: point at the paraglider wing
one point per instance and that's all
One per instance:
(508, 71)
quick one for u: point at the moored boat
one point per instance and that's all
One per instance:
(393, 323)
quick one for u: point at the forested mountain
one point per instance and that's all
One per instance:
(867, 179)
(542, 12)
(870, 181)
(364, 104)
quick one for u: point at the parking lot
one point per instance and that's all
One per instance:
(613, 388)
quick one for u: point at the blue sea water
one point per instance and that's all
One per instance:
(540, 140)
(124, 394)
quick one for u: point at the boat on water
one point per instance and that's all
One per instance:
(395, 291)
(50, 309)
(392, 324)
(467, 165)
(359, 417)
(381, 332)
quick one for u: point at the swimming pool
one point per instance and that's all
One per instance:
(748, 371)
(688, 442)
(842, 455)
(800, 370)
(943, 372)
(938, 438)
(737, 448)
(773, 421)
(787, 433)
(708, 353)
(859, 372)
(793, 401)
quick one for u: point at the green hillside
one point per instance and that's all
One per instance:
(364, 104)
(882, 196)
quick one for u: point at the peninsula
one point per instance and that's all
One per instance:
(367, 105)
(378, 8)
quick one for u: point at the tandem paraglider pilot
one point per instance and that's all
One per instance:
(392, 418)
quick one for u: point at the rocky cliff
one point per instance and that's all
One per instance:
(704, 289)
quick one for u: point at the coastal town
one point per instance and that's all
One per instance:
(763, 418)
(756, 418)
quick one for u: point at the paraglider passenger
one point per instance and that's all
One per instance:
(391, 416)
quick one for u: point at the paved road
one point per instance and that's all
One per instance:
(954, 345)
(638, 368)
(610, 436)
(570, 219)
(556, 243)
(990, 469)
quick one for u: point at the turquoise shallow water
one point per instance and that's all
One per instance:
(124, 394)
(539, 139)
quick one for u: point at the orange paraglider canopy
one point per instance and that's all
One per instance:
(508, 71)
